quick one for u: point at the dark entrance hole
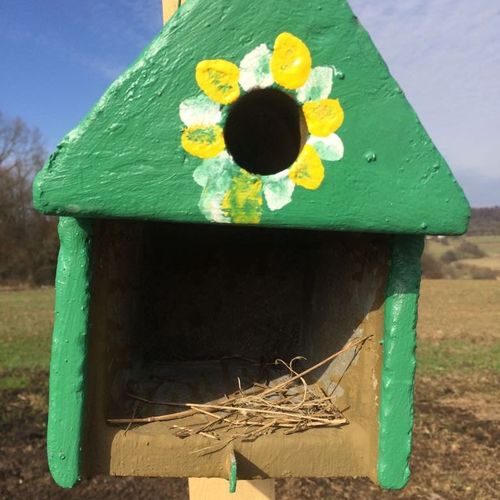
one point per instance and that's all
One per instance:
(265, 131)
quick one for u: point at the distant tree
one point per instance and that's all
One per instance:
(28, 240)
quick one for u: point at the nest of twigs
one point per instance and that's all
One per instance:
(289, 404)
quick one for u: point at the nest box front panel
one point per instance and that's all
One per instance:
(184, 312)
(329, 286)
(274, 113)
(278, 114)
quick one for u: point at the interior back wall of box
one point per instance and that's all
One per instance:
(184, 312)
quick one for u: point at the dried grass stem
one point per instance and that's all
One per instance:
(291, 405)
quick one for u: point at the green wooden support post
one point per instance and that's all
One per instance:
(398, 370)
(69, 342)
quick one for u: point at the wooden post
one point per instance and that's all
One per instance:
(169, 7)
(214, 488)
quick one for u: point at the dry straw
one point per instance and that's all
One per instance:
(290, 404)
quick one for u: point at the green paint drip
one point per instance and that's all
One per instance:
(233, 473)
(67, 364)
(398, 371)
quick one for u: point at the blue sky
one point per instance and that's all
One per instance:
(57, 57)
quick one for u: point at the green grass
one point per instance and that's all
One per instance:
(25, 329)
(437, 249)
(457, 356)
(13, 381)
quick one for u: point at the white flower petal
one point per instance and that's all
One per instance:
(278, 190)
(255, 70)
(215, 176)
(210, 205)
(318, 86)
(199, 110)
(330, 148)
(218, 168)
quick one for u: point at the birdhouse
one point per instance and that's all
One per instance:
(255, 187)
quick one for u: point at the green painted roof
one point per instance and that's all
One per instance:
(126, 158)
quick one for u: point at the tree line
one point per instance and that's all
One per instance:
(485, 221)
(28, 240)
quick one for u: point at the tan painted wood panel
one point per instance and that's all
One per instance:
(169, 7)
(211, 489)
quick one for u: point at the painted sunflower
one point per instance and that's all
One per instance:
(233, 191)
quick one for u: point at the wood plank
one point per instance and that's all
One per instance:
(169, 8)
(211, 489)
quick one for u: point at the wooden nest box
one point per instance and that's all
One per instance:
(255, 186)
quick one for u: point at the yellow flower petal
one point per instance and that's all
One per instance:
(323, 117)
(243, 201)
(308, 170)
(203, 141)
(291, 61)
(219, 80)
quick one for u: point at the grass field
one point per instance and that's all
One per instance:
(25, 329)
(457, 406)
(490, 244)
(458, 261)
